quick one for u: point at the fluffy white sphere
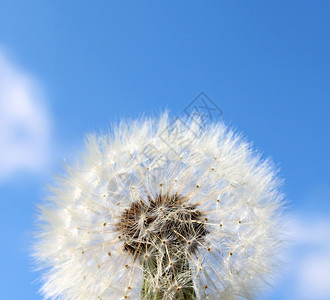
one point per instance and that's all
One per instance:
(166, 207)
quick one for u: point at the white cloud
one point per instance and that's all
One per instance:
(311, 259)
(24, 121)
(314, 279)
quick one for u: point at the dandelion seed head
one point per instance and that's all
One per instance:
(164, 207)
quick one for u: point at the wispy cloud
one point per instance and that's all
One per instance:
(311, 259)
(24, 121)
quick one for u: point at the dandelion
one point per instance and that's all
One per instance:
(162, 209)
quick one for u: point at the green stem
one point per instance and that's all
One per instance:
(150, 269)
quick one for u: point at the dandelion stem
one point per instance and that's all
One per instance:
(166, 286)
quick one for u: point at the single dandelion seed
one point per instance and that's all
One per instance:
(164, 232)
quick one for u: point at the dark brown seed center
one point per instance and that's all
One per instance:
(164, 221)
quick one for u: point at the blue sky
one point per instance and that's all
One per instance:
(69, 68)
